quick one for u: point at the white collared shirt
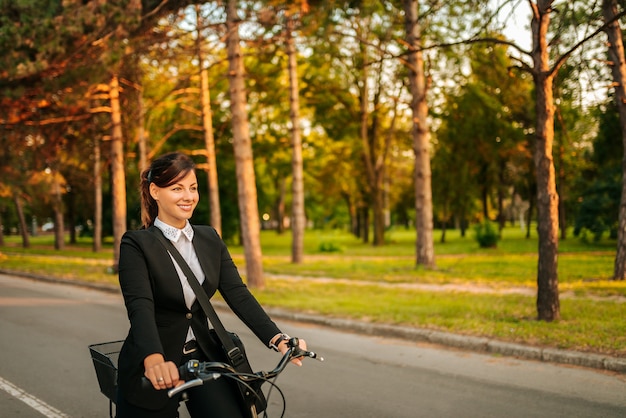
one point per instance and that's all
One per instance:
(182, 240)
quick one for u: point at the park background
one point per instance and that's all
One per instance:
(350, 159)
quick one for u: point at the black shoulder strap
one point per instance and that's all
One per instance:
(234, 353)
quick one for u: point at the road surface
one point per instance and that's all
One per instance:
(46, 370)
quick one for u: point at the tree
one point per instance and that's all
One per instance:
(298, 217)
(118, 188)
(53, 44)
(290, 16)
(544, 73)
(357, 100)
(207, 125)
(618, 68)
(548, 306)
(97, 196)
(481, 141)
(242, 145)
(425, 249)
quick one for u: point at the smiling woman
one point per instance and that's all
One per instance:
(167, 284)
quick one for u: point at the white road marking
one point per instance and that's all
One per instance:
(35, 403)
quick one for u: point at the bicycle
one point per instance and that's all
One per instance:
(196, 373)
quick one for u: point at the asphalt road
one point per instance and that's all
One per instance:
(46, 370)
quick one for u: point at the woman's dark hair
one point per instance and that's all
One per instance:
(163, 172)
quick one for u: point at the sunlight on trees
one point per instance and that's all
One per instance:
(363, 116)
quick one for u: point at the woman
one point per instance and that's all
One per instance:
(167, 325)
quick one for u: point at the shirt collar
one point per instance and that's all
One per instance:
(173, 233)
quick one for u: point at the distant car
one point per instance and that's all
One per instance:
(48, 226)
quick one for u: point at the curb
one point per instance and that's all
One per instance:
(465, 342)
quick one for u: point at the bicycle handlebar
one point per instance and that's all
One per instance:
(196, 373)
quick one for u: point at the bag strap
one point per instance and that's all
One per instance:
(235, 355)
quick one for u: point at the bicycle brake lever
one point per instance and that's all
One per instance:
(191, 383)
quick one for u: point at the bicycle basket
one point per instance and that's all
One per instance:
(104, 358)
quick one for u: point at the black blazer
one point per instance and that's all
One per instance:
(156, 307)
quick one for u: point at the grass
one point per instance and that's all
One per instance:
(585, 324)
(472, 291)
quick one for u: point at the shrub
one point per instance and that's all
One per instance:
(329, 247)
(486, 234)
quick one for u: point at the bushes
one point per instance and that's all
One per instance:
(329, 247)
(486, 234)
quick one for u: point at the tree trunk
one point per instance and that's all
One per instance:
(529, 217)
(462, 223)
(59, 228)
(365, 141)
(141, 135)
(365, 224)
(2, 227)
(142, 148)
(71, 215)
(444, 226)
(501, 191)
(298, 216)
(118, 188)
(215, 212)
(97, 197)
(484, 198)
(373, 155)
(280, 205)
(244, 164)
(548, 308)
(22, 220)
(57, 204)
(616, 54)
(425, 250)
(378, 212)
(352, 213)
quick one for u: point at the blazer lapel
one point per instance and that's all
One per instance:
(164, 260)
(208, 252)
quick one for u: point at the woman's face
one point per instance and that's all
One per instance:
(176, 202)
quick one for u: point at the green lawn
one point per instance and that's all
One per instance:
(479, 292)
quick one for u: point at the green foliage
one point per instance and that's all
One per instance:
(329, 247)
(486, 234)
(482, 114)
(481, 147)
(600, 186)
(598, 210)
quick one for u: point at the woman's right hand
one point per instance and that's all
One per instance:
(162, 374)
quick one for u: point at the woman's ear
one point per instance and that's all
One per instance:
(154, 191)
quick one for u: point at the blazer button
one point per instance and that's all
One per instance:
(189, 315)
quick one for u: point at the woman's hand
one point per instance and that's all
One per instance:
(283, 347)
(162, 374)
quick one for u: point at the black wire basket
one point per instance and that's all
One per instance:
(104, 357)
